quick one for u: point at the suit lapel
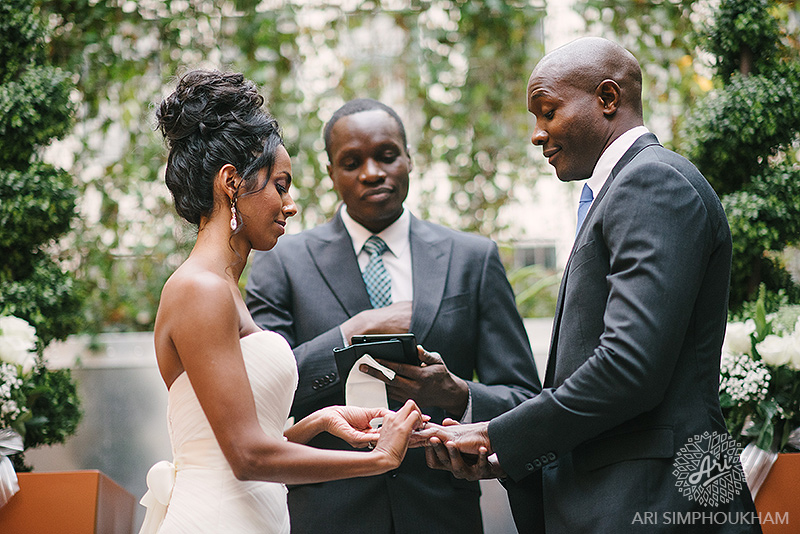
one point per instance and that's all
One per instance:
(640, 144)
(430, 257)
(333, 254)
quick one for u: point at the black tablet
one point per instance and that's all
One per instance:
(390, 349)
(408, 341)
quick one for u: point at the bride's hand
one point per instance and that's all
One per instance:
(352, 424)
(396, 431)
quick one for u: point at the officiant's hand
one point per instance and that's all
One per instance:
(392, 319)
(428, 384)
(352, 424)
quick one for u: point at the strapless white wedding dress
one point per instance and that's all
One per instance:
(198, 492)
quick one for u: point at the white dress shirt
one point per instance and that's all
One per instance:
(397, 261)
(611, 156)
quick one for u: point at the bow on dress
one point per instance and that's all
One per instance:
(160, 481)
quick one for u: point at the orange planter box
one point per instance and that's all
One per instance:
(778, 500)
(69, 502)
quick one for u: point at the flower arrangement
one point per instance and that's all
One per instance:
(40, 405)
(760, 378)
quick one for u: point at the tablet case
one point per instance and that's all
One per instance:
(381, 350)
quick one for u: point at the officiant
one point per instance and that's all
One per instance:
(376, 268)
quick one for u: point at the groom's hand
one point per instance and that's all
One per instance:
(467, 466)
(449, 446)
(468, 439)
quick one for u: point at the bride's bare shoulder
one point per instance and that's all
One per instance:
(192, 286)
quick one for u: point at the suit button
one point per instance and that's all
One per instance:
(543, 459)
(551, 456)
(529, 466)
(333, 375)
(537, 463)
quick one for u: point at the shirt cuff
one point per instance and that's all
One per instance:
(467, 417)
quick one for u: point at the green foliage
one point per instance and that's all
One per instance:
(52, 398)
(477, 126)
(735, 131)
(744, 36)
(52, 410)
(660, 35)
(33, 110)
(37, 201)
(536, 290)
(22, 34)
(742, 138)
(463, 109)
(46, 297)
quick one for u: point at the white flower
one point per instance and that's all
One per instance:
(743, 378)
(10, 382)
(737, 337)
(775, 350)
(794, 340)
(17, 340)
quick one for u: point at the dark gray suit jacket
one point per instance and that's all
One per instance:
(633, 370)
(463, 308)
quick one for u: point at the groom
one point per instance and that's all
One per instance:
(630, 396)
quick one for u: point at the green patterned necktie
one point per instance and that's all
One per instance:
(376, 278)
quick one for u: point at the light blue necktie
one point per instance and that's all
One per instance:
(583, 205)
(376, 278)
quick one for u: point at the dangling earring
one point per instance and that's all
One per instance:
(234, 220)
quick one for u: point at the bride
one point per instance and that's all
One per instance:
(231, 385)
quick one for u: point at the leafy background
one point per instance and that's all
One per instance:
(455, 70)
(436, 61)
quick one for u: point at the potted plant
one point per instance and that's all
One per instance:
(38, 406)
(760, 399)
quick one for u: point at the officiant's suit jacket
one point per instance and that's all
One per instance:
(633, 369)
(463, 308)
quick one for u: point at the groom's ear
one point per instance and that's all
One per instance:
(608, 94)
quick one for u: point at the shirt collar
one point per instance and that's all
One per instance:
(395, 235)
(611, 156)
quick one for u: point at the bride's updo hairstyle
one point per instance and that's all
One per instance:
(210, 120)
